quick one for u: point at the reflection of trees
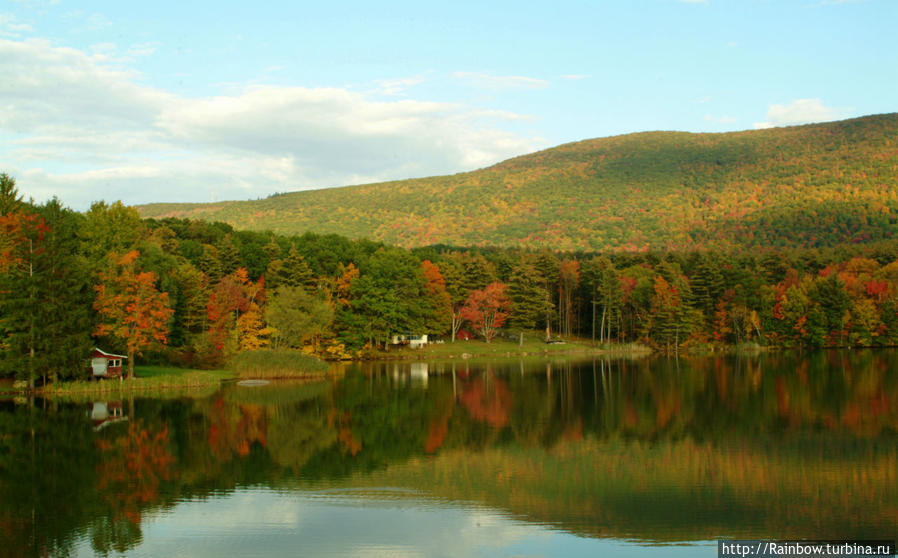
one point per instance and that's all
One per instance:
(715, 398)
(296, 433)
(130, 471)
(487, 399)
(108, 534)
(619, 447)
(233, 429)
(47, 479)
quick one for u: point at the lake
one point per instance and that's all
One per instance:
(645, 457)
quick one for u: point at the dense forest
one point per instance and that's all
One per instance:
(195, 294)
(796, 187)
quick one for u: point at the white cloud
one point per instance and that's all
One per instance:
(488, 81)
(11, 27)
(799, 111)
(399, 85)
(82, 22)
(81, 128)
(36, 2)
(143, 49)
(96, 22)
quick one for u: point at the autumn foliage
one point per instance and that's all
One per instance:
(131, 307)
(487, 309)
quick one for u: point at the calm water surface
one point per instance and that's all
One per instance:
(650, 457)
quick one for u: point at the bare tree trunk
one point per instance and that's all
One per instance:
(31, 321)
(456, 324)
(593, 322)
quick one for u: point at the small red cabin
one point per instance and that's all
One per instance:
(106, 365)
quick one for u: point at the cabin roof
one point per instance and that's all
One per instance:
(108, 355)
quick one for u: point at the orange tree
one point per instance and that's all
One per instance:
(487, 309)
(130, 306)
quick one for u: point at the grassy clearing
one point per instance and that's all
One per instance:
(534, 345)
(148, 380)
(277, 365)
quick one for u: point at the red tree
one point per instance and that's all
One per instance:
(132, 308)
(487, 309)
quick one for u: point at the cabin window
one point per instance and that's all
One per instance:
(115, 362)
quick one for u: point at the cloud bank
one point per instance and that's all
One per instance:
(83, 127)
(799, 111)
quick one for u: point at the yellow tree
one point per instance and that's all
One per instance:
(252, 331)
(131, 308)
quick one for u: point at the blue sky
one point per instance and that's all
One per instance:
(196, 101)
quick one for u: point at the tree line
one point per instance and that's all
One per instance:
(194, 294)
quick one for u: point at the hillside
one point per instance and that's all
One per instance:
(812, 185)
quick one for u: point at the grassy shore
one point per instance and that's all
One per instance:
(171, 380)
(289, 364)
(533, 345)
(148, 379)
(277, 365)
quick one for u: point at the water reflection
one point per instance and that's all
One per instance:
(653, 450)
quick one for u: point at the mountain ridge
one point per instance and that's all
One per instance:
(799, 186)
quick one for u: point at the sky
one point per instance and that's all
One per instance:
(208, 101)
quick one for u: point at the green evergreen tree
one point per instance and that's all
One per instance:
(228, 256)
(292, 271)
(528, 296)
(706, 282)
(548, 265)
(45, 329)
(10, 199)
(63, 313)
(210, 264)
(272, 250)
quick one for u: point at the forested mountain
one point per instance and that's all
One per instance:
(803, 186)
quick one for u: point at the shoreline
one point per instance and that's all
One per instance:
(189, 381)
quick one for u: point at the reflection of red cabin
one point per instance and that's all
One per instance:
(104, 413)
(106, 365)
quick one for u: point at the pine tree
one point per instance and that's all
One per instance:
(707, 285)
(210, 264)
(20, 293)
(228, 256)
(548, 266)
(528, 296)
(10, 199)
(63, 339)
(293, 272)
(45, 325)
